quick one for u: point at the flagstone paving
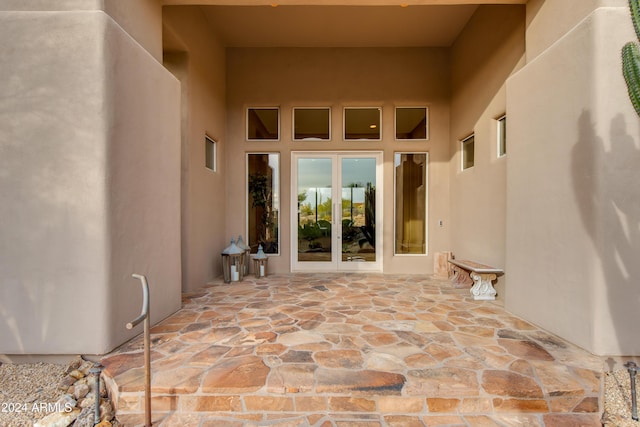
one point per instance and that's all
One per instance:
(353, 350)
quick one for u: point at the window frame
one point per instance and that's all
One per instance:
(293, 124)
(277, 198)
(426, 204)
(501, 136)
(426, 124)
(463, 142)
(211, 161)
(344, 124)
(247, 122)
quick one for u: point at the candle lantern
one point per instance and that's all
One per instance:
(232, 263)
(260, 263)
(247, 252)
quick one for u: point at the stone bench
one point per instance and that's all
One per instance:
(481, 276)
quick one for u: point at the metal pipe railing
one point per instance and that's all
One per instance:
(632, 368)
(144, 316)
(96, 371)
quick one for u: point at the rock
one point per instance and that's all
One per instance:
(77, 374)
(74, 364)
(91, 381)
(510, 384)
(80, 391)
(66, 401)
(58, 419)
(106, 410)
(86, 417)
(66, 383)
(104, 423)
(88, 401)
(86, 365)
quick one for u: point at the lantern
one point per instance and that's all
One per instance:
(247, 252)
(260, 263)
(232, 263)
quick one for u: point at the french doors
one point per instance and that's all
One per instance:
(336, 222)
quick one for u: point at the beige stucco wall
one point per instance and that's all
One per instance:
(49, 5)
(549, 20)
(200, 64)
(488, 51)
(573, 212)
(141, 19)
(378, 77)
(76, 223)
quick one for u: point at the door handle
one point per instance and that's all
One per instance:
(336, 207)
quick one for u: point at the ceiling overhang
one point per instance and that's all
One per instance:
(337, 23)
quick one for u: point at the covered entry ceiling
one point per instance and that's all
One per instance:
(336, 23)
(338, 26)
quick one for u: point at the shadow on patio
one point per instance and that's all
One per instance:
(353, 350)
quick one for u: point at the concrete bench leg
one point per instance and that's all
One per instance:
(482, 286)
(460, 278)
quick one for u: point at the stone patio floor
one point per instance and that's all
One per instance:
(353, 350)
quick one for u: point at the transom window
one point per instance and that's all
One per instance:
(362, 123)
(411, 123)
(311, 124)
(263, 124)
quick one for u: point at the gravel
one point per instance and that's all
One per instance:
(617, 400)
(25, 389)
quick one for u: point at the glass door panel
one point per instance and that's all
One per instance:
(315, 209)
(358, 213)
(337, 204)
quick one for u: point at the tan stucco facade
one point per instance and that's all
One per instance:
(91, 182)
(572, 209)
(107, 105)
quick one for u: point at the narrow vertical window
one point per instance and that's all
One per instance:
(210, 153)
(410, 203)
(263, 201)
(502, 136)
(468, 152)
(263, 124)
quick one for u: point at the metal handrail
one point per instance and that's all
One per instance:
(144, 316)
(632, 368)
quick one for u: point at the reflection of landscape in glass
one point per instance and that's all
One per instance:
(315, 209)
(358, 209)
(263, 202)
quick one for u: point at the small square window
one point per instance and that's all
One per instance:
(210, 153)
(468, 151)
(362, 124)
(411, 123)
(502, 136)
(263, 124)
(311, 124)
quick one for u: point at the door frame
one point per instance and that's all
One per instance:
(336, 264)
